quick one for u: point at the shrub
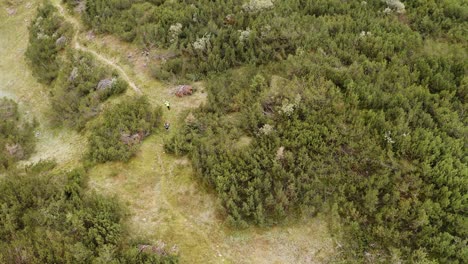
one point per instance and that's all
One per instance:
(82, 85)
(118, 133)
(47, 217)
(17, 141)
(48, 34)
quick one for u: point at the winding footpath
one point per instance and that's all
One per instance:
(76, 44)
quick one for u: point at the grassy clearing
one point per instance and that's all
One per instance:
(16, 82)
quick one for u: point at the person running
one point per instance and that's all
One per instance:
(168, 105)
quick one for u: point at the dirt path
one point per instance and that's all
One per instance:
(76, 44)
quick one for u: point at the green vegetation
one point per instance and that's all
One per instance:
(359, 118)
(48, 35)
(353, 109)
(81, 86)
(440, 19)
(17, 140)
(123, 126)
(395, 170)
(213, 36)
(383, 142)
(47, 217)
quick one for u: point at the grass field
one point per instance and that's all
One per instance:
(163, 197)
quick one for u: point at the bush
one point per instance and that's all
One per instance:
(48, 35)
(17, 141)
(47, 217)
(79, 83)
(82, 85)
(322, 136)
(117, 135)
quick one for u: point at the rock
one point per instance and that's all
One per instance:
(165, 56)
(8, 109)
(174, 250)
(73, 74)
(159, 248)
(105, 83)
(11, 11)
(183, 90)
(280, 154)
(61, 41)
(15, 150)
(132, 139)
(229, 20)
(90, 35)
(80, 7)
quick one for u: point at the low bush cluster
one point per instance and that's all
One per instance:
(17, 139)
(48, 35)
(81, 87)
(79, 84)
(376, 134)
(47, 217)
(117, 135)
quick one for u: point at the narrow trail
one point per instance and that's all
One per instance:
(76, 44)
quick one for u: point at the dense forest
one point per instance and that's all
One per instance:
(212, 36)
(357, 108)
(353, 109)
